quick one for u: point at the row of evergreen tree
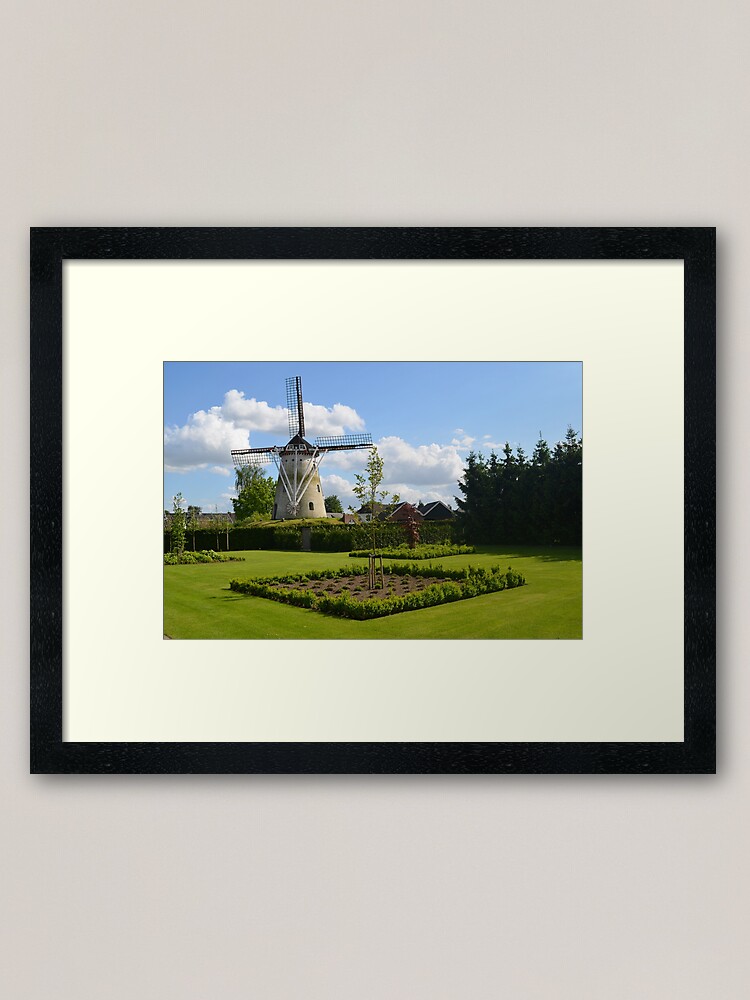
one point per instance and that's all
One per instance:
(532, 501)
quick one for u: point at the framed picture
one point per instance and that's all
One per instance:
(257, 452)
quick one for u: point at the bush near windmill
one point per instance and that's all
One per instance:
(333, 504)
(255, 494)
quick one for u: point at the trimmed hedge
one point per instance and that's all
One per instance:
(326, 535)
(333, 537)
(420, 552)
(205, 540)
(457, 585)
(205, 556)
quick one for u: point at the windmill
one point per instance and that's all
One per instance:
(298, 491)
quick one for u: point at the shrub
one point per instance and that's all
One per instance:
(420, 552)
(457, 585)
(204, 556)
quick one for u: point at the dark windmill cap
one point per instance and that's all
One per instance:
(299, 442)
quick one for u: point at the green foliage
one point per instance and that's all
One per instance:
(255, 493)
(335, 539)
(457, 585)
(204, 556)
(278, 535)
(367, 489)
(420, 552)
(193, 521)
(178, 524)
(333, 505)
(221, 526)
(411, 524)
(511, 499)
(325, 535)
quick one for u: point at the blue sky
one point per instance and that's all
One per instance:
(424, 417)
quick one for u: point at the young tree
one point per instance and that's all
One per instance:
(255, 493)
(178, 524)
(367, 489)
(333, 505)
(193, 521)
(411, 525)
(222, 524)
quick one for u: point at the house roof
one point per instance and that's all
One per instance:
(435, 507)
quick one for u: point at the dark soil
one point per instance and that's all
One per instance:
(356, 586)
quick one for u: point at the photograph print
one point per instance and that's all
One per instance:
(373, 500)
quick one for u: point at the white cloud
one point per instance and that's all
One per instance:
(426, 464)
(335, 484)
(411, 495)
(255, 415)
(416, 472)
(206, 439)
(339, 419)
(209, 435)
(346, 460)
(463, 442)
(342, 488)
(251, 414)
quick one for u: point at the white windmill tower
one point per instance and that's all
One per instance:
(298, 489)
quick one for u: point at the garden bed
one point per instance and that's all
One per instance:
(188, 558)
(345, 592)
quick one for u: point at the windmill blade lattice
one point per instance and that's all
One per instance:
(341, 442)
(295, 406)
(257, 457)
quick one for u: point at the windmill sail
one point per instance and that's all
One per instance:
(295, 406)
(252, 456)
(343, 442)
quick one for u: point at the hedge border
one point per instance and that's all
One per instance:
(202, 557)
(457, 585)
(429, 552)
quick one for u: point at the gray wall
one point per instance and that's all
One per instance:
(421, 112)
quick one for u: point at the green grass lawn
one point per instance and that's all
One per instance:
(199, 605)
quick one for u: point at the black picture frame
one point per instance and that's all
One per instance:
(50, 247)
